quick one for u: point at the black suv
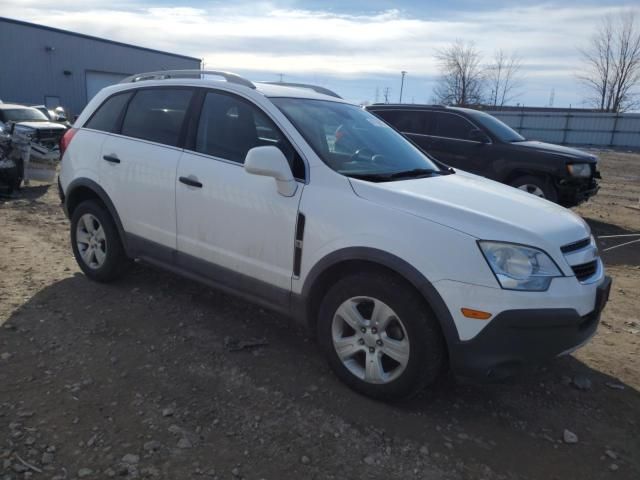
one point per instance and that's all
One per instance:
(479, 143)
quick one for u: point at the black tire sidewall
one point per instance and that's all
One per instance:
(116, 259)
(543, 183)
(427, 356)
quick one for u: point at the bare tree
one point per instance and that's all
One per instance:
(503, 78)
(612, 64)
(462, 78)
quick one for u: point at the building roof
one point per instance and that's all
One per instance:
(82, 35)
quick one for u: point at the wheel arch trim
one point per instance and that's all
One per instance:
(391, 262)
(87, 183)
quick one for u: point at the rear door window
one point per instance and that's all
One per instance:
(157, 114)
(450, 125)
(406, 121)
(108, 115)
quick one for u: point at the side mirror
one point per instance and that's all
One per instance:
(478, 135)
(269, 161)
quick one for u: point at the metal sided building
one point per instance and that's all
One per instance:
(47, 66)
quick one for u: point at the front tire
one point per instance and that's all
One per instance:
(96, 243)
(538, 186)
(379, 337)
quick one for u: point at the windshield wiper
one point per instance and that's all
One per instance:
(416, 172)
(386, 177)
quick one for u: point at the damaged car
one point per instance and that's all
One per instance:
(28, 146)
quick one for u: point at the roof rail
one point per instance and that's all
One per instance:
(315, 88)
(166, 74)
(408, 105)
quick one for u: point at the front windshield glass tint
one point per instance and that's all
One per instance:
(503, 132)
(24, 115)
(351, 140)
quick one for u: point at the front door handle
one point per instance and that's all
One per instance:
(190, 181)
(111, 158)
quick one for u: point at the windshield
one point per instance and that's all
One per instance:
(23, 115)
(354, 142)
(503, 132)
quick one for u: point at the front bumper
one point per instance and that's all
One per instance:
(572, 192)
(515, 339)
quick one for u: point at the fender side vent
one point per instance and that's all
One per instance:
(297, 250)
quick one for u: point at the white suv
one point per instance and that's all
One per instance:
(312, 206)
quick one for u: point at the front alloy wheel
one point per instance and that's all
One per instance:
(532, 189)
(379, 335)
(370, 340)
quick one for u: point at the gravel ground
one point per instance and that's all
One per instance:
(140, 379)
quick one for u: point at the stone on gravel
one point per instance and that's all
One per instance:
(611, 454)
(613, 467)
(47, 457)
(369, 460)
(130, 459)
(615, 386)
(184, 443)
(85, 472)
(6, 355)
(305, 460)
(569, 437)
(152, 446)
(167, 412)
(424, 450)
(175, 429)
(581, 382)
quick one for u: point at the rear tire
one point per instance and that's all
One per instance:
(391, 347)
(96, 242)
(537, 186)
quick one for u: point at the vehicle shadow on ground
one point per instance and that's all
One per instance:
(611, 251)
(179, 322)
(29, 193)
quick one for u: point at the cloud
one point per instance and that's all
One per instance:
(269, 37)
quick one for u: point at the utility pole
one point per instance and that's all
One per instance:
(403, 73)
(281, 75)
(385, 93)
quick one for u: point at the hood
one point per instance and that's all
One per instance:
(570, 153)
(42, 125)
(481, 208)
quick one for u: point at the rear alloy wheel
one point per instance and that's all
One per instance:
(91, 241)
(538, 186)
(96, 243)
(379, 336)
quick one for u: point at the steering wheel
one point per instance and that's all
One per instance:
(359, 152)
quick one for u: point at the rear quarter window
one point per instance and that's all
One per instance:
(157, 114)
(108, 115)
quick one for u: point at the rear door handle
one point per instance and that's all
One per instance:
(111, 158)
(190, 181)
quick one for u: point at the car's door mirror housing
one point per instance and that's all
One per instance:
(269, 161)
(478, 135)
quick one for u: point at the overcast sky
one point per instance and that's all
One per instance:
(349, 46)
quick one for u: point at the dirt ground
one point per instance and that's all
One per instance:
(137, 379)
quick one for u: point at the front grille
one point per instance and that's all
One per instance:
(585, 270)
(572, 247)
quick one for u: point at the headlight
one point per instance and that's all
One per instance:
(518, 267)
(579, 169)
